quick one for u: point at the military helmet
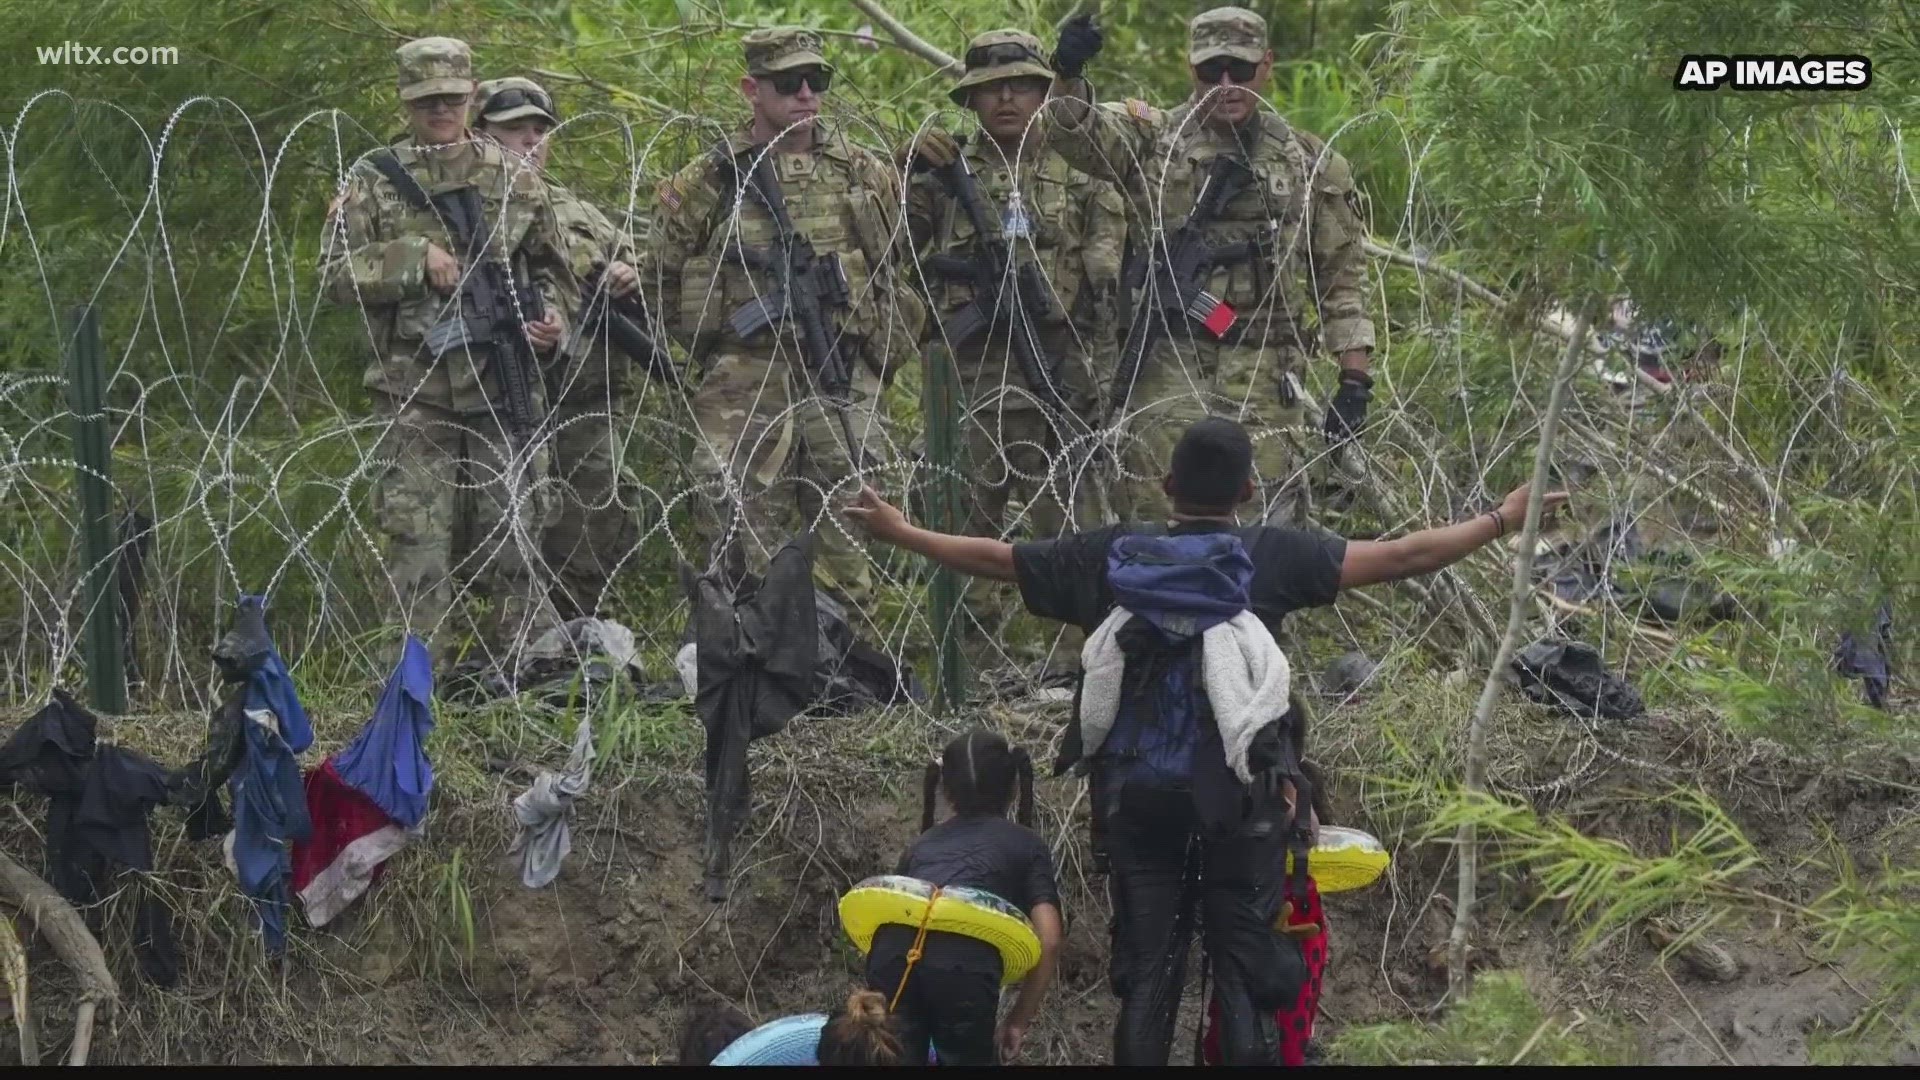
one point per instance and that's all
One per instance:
(513, 98)
(997, 55)
(1227, 31)
(432, 66)
(782, 48)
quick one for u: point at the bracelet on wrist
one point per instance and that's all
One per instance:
(1499, 523)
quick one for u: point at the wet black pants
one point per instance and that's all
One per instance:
(1165, 876)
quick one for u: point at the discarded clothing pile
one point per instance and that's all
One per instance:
(368, 800)
(580, 661)
(545, 836)
(99, 798)
(1591, 570)
(849, 676)
(1869, 662)
(1571, 676)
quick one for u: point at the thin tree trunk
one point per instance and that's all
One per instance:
(13, 965)
(1466, 838)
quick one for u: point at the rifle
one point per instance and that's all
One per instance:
(621, 320)
(1175, 267)
(1004, 289)
(494, 305)
(805, 283)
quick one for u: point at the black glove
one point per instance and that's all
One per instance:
(1079, 42)
(1347, 413)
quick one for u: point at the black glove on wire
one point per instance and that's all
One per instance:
(1347, 413)
(1079, 42)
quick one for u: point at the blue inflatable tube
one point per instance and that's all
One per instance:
(790, 1040)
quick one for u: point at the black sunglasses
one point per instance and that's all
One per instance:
(787, 83)
(1240, 71)
(514, 97)
(1036, 84)
(1004, 53)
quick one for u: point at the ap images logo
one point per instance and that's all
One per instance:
(1774, 73)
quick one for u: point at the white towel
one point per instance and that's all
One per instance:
(1247, 676)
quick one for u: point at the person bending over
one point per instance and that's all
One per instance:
(951, 996)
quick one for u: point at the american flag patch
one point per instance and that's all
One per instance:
(1139, 108)
(669, 194)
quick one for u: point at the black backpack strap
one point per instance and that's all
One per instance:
(402, 180)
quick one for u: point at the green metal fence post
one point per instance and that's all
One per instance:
(93, 483)
(940, 403)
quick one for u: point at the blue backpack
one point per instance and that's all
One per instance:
(1177, 588)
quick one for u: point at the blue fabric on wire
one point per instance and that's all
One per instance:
(269, 796)
(387, 762)
(269, 813)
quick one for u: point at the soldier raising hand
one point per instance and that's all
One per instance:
(1221, 325)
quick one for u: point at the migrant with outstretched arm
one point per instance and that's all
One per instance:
(1186, 724)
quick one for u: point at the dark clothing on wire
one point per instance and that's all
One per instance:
(98, 802)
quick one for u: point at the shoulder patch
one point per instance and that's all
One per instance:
(1139, 109)
(669, 193)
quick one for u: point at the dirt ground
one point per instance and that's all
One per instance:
(603, 966)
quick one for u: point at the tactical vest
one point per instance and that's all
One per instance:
(832, 201)
(1271, 293)
(1049, 207)
(458, 381)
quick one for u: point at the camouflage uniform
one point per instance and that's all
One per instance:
(452, 498)
(762, 423)
(591, 529)
(1074, 229)
(1163, 156)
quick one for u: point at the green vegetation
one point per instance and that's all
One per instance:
(1534, 147)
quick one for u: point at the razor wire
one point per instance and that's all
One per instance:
(246, 451)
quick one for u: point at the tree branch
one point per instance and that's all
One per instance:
(76, 946)
(1464, 841)
(1554, 323)
(909, 40)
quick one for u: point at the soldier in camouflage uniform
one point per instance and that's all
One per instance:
(449, 466)
(592, 529)
(1073, 229)
(1302, 207)
(764, 422)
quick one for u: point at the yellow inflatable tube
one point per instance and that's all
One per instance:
(974, 913)
(1345, 859)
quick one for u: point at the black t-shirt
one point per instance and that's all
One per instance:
(979, 851)
(1066, 579)
(985, 851)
